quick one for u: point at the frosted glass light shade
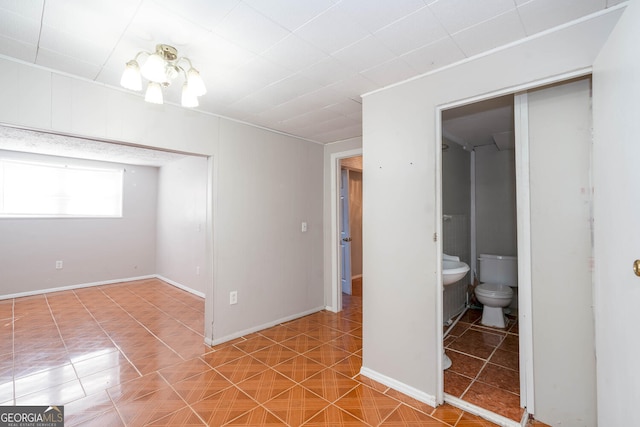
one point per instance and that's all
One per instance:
(131, 76)
(154, 93)
(196, 84)
(154, 69)
(189, 99)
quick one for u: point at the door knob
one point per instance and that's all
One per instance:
(636, 267)
(348, 239)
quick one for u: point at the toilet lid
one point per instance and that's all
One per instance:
(494, 290)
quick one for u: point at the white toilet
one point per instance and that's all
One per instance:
(498, 274)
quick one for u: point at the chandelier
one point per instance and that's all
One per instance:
(161, 68)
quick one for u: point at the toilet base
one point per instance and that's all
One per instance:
(494, 317)
(446, 362)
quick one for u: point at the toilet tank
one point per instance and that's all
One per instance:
(499, 269)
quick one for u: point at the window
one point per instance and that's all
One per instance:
(30, 189)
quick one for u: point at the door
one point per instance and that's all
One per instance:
(345, 236)
(616, 174)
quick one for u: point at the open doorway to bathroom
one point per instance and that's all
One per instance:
(479, 227)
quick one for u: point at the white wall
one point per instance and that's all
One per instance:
(263, 184)
(563, 332)
(495, 202)
(268, 184)
(401, 328)
(92, 249)
(182, 223)
(616, 113)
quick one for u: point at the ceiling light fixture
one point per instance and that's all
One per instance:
(161, 68)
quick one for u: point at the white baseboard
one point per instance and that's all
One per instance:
(483, 413)
(248, 331)
(104, 282)
(180, 286)
(70, 287)
(399, 386)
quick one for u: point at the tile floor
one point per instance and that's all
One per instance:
(131, 354)
(485, 362)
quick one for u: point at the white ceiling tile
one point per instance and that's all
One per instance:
(94, 51)
(321, 97)
(611, 3)
(539, 15)
(294, 53)
(250, 29)
(28, 9)
(346, 107)
(490, 34)
(252, 104)
(332, 30)
(327, 71)
(264, 71)
(354, 86)
(436, 55)
(390, 72)
(66, 64)
(16, 26)
(412, 31)
(154, 24)
(290, 14)
(215, 51)
(206, 13)
(456, 15)
(373, 17)
(287, 89)
(17, 49)
(287, 110)
(364, 54)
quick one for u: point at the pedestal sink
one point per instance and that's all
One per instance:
(452, 270)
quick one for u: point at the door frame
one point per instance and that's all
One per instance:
(525, 307)
(336, 287)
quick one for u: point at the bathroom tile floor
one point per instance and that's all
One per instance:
(485, 364)
(132, 354)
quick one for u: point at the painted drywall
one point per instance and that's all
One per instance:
(254, 247)
(347, 146)
(401, 326)
(495, 201)
(268, 184)
(182, 221)
(92, 249)
(563, 335)
(616, 90)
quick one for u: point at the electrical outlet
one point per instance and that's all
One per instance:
(233, 297)
(304, 227)
(58, 265)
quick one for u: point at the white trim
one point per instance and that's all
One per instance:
(181, 286)
(523, 220)
(78, 286)
(399, 386)
(258, 328)
(101, 283)
(487, 415)
(335, 304)
(505, 47)
(439, 398)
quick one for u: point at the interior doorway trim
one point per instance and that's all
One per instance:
(524, 239)
(336, 289)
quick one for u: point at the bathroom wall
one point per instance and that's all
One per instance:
(495, 201)
(456, 205)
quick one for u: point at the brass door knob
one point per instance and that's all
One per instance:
(636, 267)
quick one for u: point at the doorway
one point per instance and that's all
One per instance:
(351, 225)
(552, 123)
(479, 227)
